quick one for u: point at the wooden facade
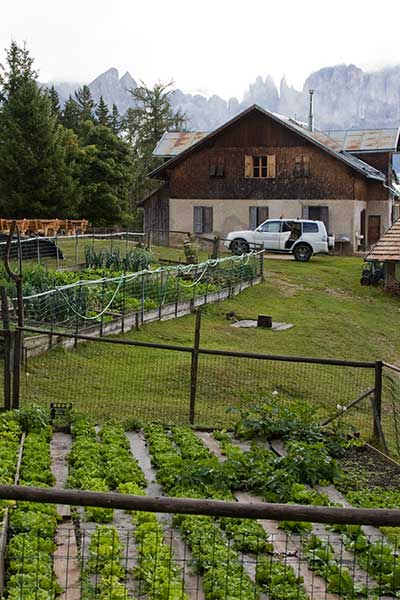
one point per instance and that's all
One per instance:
(299, 172)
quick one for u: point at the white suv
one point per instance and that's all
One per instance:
(299, 237)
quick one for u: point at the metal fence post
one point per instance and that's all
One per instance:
(7, 349)
(194, 368)
(76, 247)
(123, 302)
(262, 266)
(142, 301)
(102, 307)
(377, 406)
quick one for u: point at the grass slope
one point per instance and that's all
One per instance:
(333, 316)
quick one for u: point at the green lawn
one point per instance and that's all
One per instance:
(333, 316)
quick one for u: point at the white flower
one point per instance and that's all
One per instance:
(340, 407)
(275, 393)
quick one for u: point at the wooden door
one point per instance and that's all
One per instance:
(374, 229)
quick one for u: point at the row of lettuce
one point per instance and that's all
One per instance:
(102, 460)
(32, 527)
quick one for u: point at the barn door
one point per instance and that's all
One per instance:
(374, 229)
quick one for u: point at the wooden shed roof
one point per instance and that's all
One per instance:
(388, 247)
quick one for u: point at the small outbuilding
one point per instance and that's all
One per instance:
(387, 252)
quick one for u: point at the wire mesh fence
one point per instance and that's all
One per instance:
(157, 383)
(201, 558)
(391, 409)
(66, 251)
(100, 301)
(226, 381)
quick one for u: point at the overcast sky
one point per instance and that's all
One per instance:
(206, 46)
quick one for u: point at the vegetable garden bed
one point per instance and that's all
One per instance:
(139, 555)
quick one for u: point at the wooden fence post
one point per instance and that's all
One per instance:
(18, 337)
(215, 248)
(194, 368)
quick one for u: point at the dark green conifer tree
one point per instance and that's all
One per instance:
(115, 120)
(102, 113)
(85, 104)
(35, 180)
(70, 115)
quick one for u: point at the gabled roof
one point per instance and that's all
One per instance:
(366, 140)
(388, 247)
(351, 161)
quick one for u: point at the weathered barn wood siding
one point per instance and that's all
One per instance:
(379, 160)
(156, 215)
(258, 135)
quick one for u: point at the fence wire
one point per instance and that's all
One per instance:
(98, 302)
(391, 410)
(154, 385)
(159, 562)
(66, 251)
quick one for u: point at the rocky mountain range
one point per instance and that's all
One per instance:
(345, 97)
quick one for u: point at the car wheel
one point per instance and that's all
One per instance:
(240, 247)
(302, 252)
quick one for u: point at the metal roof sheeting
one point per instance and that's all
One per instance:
(388, 247)
(365, 140)
(173, 143)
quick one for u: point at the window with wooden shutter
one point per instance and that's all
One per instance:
(203, 219)
(271, 166)
(263, 214)
(298, 166)
(260, 167)
(198, 219)
(257, 215)
(248, 166)
(306, 166)
(302, 166)
(207, 219)
(253, 217)
(318, 213)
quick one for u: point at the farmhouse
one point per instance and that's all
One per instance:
(387, 251)
(261, 165)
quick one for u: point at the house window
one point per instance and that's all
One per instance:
(260, 167)
(216, 170)
(302, 166)
(257, 215)
(202, 219)
(317, 213)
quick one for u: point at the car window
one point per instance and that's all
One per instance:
(287, 226)
(310, 227)
(271, 227)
